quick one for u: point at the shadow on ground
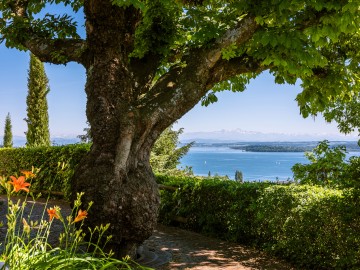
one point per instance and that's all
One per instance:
(190, 250)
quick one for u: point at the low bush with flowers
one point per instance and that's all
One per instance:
(26, 244)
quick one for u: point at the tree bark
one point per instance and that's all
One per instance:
(116, 174)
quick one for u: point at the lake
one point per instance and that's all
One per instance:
(253, 165)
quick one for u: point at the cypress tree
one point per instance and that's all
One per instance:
(8, 137)
(37, 107)
(239, 176)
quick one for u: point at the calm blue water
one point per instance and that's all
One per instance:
(254, 165)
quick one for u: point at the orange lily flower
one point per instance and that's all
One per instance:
(19, 183)
(53, 213)
(81, 215)
(28, 174)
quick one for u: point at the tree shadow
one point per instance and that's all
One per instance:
(194, 251)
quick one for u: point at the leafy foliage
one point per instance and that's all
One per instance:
(56, 165)
(158, 30)
(325, 168)
(328, 167)
(345, 113)
(15, 31)
(86, 138)
(239, 176)
(312, 226)
(212, 206)
(314, 41)
(8, 137)
(37, 108)
(165, 154)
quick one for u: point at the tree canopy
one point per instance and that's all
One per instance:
(315, 41)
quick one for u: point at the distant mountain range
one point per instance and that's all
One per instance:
(220, 136)
(19, 141)
(239, 135)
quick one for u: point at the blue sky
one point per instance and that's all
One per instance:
(264, 106)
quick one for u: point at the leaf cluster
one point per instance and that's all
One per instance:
(158, 30)
(345, 113)
(56, 165)
(16, 29)
(166, 153)
(327, 167)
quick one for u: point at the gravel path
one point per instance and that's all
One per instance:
(169, 247)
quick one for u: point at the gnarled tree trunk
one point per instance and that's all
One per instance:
(116, 174)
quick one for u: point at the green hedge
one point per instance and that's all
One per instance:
(314, 227)
(214, 207)
(56, 164)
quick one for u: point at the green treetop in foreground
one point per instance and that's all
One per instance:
(150, 62)
(37, 107)
(8, 137)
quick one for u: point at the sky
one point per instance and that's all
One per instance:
(263, 107)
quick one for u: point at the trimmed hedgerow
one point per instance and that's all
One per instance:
(56, 165)
(215, 207)
(314, 227)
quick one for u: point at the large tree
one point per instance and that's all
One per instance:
(37, 107)
(148, 62)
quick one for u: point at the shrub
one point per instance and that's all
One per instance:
(328, 167)
(56, 165)
(351, 175)
(314, 227)
(215, 207)
(325, 167)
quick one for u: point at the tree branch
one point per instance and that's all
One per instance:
(46, 47)
(238, 35)
(57, 51)
(181, 88)
(227, 69)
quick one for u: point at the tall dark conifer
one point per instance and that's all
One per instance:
(8, 137)
(37, 107)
